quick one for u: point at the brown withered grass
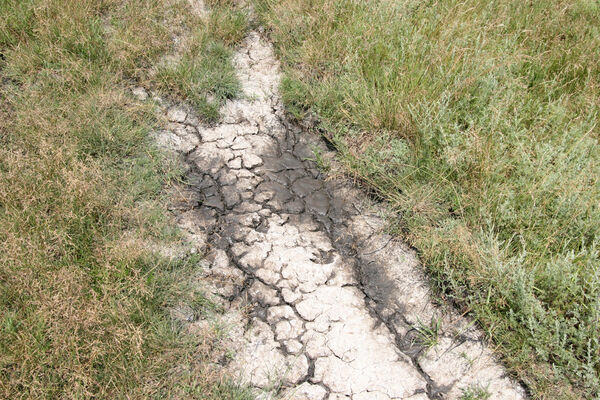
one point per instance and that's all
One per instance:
(83, 302)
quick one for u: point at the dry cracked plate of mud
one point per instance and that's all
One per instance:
(322, 303)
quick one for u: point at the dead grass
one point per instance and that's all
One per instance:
(83, 306)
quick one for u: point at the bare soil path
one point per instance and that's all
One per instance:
(327, 305)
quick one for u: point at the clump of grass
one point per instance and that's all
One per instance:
(322, 162)
(83, 302)
(205, 81)
(428, 334)
(475, 393)
(227, 23)
(203, 73)
(479, 121)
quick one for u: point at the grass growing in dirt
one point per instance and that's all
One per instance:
(83, 301)
(202, 72)
(479, 121)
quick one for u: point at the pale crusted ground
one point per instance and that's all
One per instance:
(323, 304)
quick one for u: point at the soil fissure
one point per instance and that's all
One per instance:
(333, 299)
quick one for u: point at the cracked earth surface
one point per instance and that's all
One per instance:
(323, 304)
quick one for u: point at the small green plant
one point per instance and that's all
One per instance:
(475, 393)
(322, 162)
(428, 335)
(468, 359)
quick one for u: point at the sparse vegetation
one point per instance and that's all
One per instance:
(428, 335)
(83, 302)
(202, 72)
(479, 122)
(322, 162)
(475, 393)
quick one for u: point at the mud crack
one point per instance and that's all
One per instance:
(332, 299)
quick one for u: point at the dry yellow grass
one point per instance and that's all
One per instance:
(83, 303)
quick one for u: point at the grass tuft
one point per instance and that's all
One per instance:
(428, 335)
(475, 393)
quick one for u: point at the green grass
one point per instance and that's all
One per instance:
(203, 73)
(478, 121)
(428, 335)
(475, 393)
(197, 78)
(83, 301)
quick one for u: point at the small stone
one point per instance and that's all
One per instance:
(176, 114)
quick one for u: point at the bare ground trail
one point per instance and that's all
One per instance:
(323, 303)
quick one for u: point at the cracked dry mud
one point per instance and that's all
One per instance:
(323, 303)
